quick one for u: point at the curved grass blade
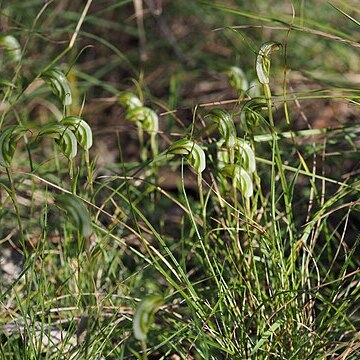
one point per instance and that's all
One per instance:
(225, 125)
(194, 153)
(81, 129)
(346, 15)
(145, 117)
(59, 85)
(144, 315)
(65, 138)
(8, 141)
(77, 213)
(11, 47)
(263, 61)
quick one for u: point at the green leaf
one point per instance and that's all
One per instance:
(225, 125)
(65, 138)
(144, 117)
(263, 61)
(6, 83)
(144, 315)
(237, 79)
(81, 129)
(11, 46)
(241, 179)
(59, 85)
(346, 15)
(129, 101)
(265, 337)
(8, 141)
(194, 153)
(77, 213)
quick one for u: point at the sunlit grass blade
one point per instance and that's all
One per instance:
(357, 22)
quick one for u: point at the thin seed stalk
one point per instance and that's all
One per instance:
(201, 240)
(155, 152)
(232, 155)
(153, 144)
(277, 158)
(237, 218)
(200, 187)
(202, 205)
(144, 347)
(71, 169)
(89, 172)
(16, 205)
(141, 142)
